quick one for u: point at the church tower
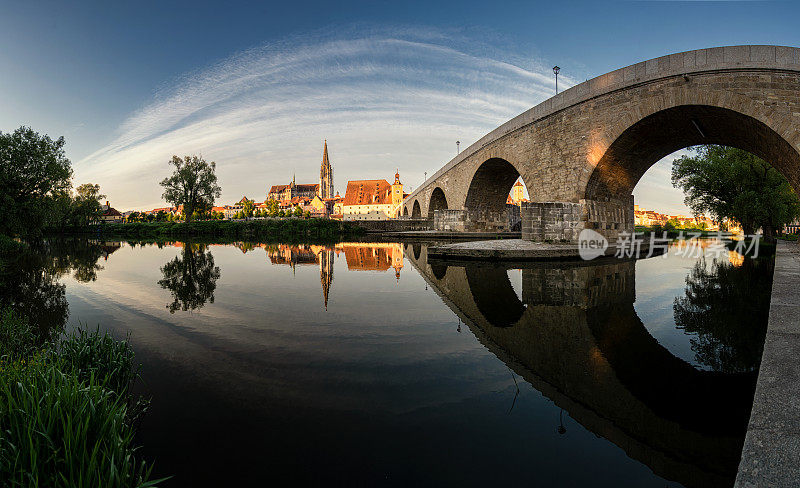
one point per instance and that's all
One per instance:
(397, 190)
(325, 175)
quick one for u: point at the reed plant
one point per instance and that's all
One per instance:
(66, 410)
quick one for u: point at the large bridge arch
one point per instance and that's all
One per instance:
(490, 184)
(654, 136)
(570, 149)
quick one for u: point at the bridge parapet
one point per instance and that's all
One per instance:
(755, 57)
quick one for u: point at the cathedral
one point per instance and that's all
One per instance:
(323, 189)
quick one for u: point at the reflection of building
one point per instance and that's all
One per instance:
(372, 199)
(107, 248)
(326, 273)
(293, 255)
(359, 256)
(373, 256)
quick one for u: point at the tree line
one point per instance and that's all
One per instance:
(36, 190)
(37, 193)
(732, 184)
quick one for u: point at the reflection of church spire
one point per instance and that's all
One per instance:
(326, 273)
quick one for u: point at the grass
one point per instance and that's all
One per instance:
(251, 229)
(66, 411)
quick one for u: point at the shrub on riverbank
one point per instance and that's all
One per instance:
(9, 245)
(249, 229)
(66, 411)
(674, 231)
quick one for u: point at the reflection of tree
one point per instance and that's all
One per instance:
(191, 278)
(727, 307)
(79, 256)
(28, 286)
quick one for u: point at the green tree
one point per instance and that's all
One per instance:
(247, 208)
(730, 183)
(34, 169)
(60, 209)
(272, 208)
(298, 212)
(87, 203)
(193, 184)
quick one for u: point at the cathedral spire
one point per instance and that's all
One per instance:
(325, 175)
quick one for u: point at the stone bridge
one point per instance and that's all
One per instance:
(575, 336)
(582, 152)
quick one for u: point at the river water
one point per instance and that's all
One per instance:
(366, 364)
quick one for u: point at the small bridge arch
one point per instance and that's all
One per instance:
(438, 201)
(416, 212)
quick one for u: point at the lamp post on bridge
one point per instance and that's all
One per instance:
(458, 147)
(556, 69)
(426, 177)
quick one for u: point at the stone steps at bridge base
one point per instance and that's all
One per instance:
(511, 250)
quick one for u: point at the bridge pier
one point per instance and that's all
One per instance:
(564, 221)
(480, 220)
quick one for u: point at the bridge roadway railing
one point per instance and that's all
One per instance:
(771, 454)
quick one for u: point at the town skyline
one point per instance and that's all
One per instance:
(387, 88)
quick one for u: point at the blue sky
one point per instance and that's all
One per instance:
(258, 86)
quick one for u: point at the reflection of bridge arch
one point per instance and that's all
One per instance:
(494, 296)
(580, 342)
(654, 374)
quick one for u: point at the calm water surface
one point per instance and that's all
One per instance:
(366, 364)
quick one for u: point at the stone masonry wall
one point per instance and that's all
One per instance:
(609, 218)
(564, 221)
(477, 220)
(558, 146)
(552, 221)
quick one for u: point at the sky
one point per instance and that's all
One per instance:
(257, 87)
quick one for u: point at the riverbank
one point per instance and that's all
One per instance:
(772, 445)
(278, 228)
(68, 413)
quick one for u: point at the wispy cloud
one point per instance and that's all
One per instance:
(383, 102)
